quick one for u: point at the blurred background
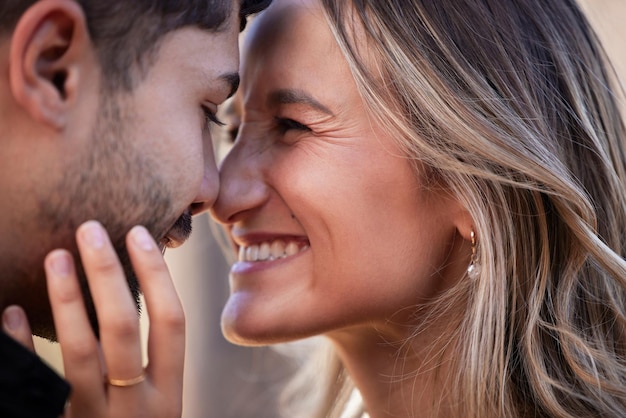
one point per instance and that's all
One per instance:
(226, 381)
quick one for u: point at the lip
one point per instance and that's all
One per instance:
(249, 267)
(178, 233)
(174, 238)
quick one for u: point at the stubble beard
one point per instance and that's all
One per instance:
(114, 184)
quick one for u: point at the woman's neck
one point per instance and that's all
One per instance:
(398, 373)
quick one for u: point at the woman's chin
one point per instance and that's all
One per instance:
(242, 327)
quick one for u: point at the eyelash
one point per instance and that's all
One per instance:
(285, 124)
(211, 118)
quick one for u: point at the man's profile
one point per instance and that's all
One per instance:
(105, 110)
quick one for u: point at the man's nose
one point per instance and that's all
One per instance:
(209, 189)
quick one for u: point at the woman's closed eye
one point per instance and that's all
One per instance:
(286, 124)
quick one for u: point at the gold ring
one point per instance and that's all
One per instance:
(122, 383)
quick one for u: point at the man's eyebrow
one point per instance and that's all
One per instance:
(294, 96)
(233, 80)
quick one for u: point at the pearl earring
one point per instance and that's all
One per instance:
(473, 270)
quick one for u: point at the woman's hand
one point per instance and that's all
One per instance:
(107, 377)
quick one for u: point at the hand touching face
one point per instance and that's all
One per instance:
(107, 375)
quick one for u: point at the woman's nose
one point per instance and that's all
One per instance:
(242, 187)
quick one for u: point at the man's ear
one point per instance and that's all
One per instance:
(48, 50)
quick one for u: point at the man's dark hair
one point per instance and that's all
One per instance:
(127, 32)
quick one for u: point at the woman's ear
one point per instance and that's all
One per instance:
(50, 47)
(465, 224)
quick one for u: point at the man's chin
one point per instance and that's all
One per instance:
(42, 320)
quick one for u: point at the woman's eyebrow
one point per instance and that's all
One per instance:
(295, 96)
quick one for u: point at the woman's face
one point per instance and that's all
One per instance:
(335, 230)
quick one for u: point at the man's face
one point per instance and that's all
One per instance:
(148, 160)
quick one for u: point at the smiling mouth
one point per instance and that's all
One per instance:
(271, 250)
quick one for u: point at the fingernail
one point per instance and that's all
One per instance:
(93, 234)
(60, 263)
(12, 318)
(142, 238)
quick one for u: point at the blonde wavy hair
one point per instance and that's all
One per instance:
(513, 106)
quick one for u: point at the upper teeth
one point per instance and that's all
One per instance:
(267, 251)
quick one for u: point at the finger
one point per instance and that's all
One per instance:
(115, 307)
(15, 324)
(166, 341)
(79, 347)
